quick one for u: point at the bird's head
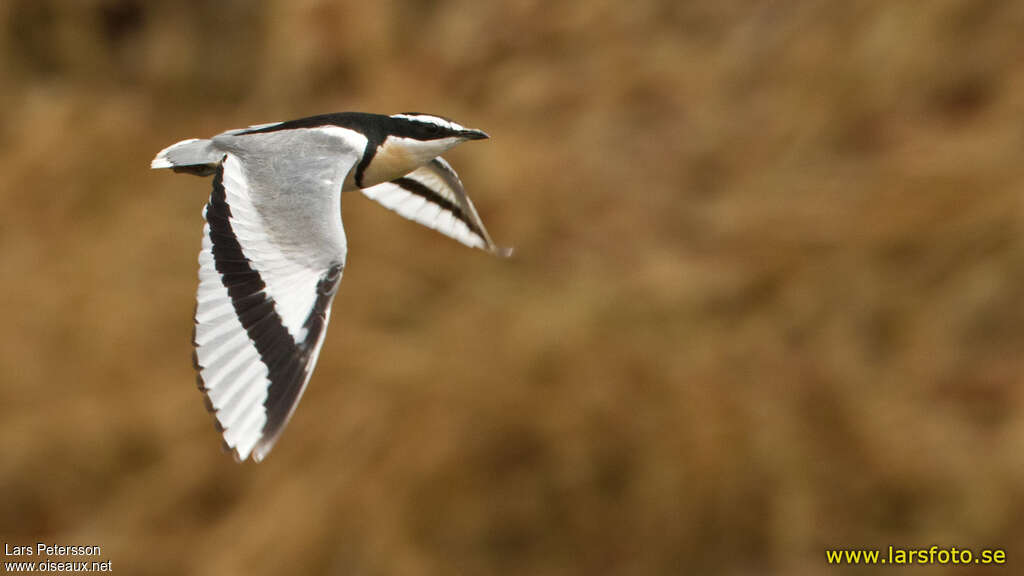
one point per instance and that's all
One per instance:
(433, 130)
(411, 141)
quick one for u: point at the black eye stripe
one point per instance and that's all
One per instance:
(429, 129)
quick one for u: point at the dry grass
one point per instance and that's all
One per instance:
(767, 299)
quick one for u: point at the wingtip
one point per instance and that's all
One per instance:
(504, 251)
(237, 453)
(227, 449)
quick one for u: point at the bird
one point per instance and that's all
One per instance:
(274, 247)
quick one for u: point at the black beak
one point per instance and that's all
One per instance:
(474, 135)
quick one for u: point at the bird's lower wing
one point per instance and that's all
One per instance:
(433, 196)
(262, 309)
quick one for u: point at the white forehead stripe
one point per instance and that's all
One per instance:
(430, 120)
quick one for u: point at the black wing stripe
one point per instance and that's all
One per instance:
(281, 400)
(415, 187)
(285, 359)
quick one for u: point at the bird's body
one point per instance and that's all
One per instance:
(274, 246)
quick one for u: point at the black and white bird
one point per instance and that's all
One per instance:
(274, 248)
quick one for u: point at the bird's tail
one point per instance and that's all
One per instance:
(194, 156)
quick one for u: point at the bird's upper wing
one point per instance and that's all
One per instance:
(433, 196)
(272, 257)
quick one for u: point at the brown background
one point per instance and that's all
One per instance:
(767, 298)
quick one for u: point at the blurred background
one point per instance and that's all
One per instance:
(767, 297)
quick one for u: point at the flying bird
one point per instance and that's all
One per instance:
(274, 248)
